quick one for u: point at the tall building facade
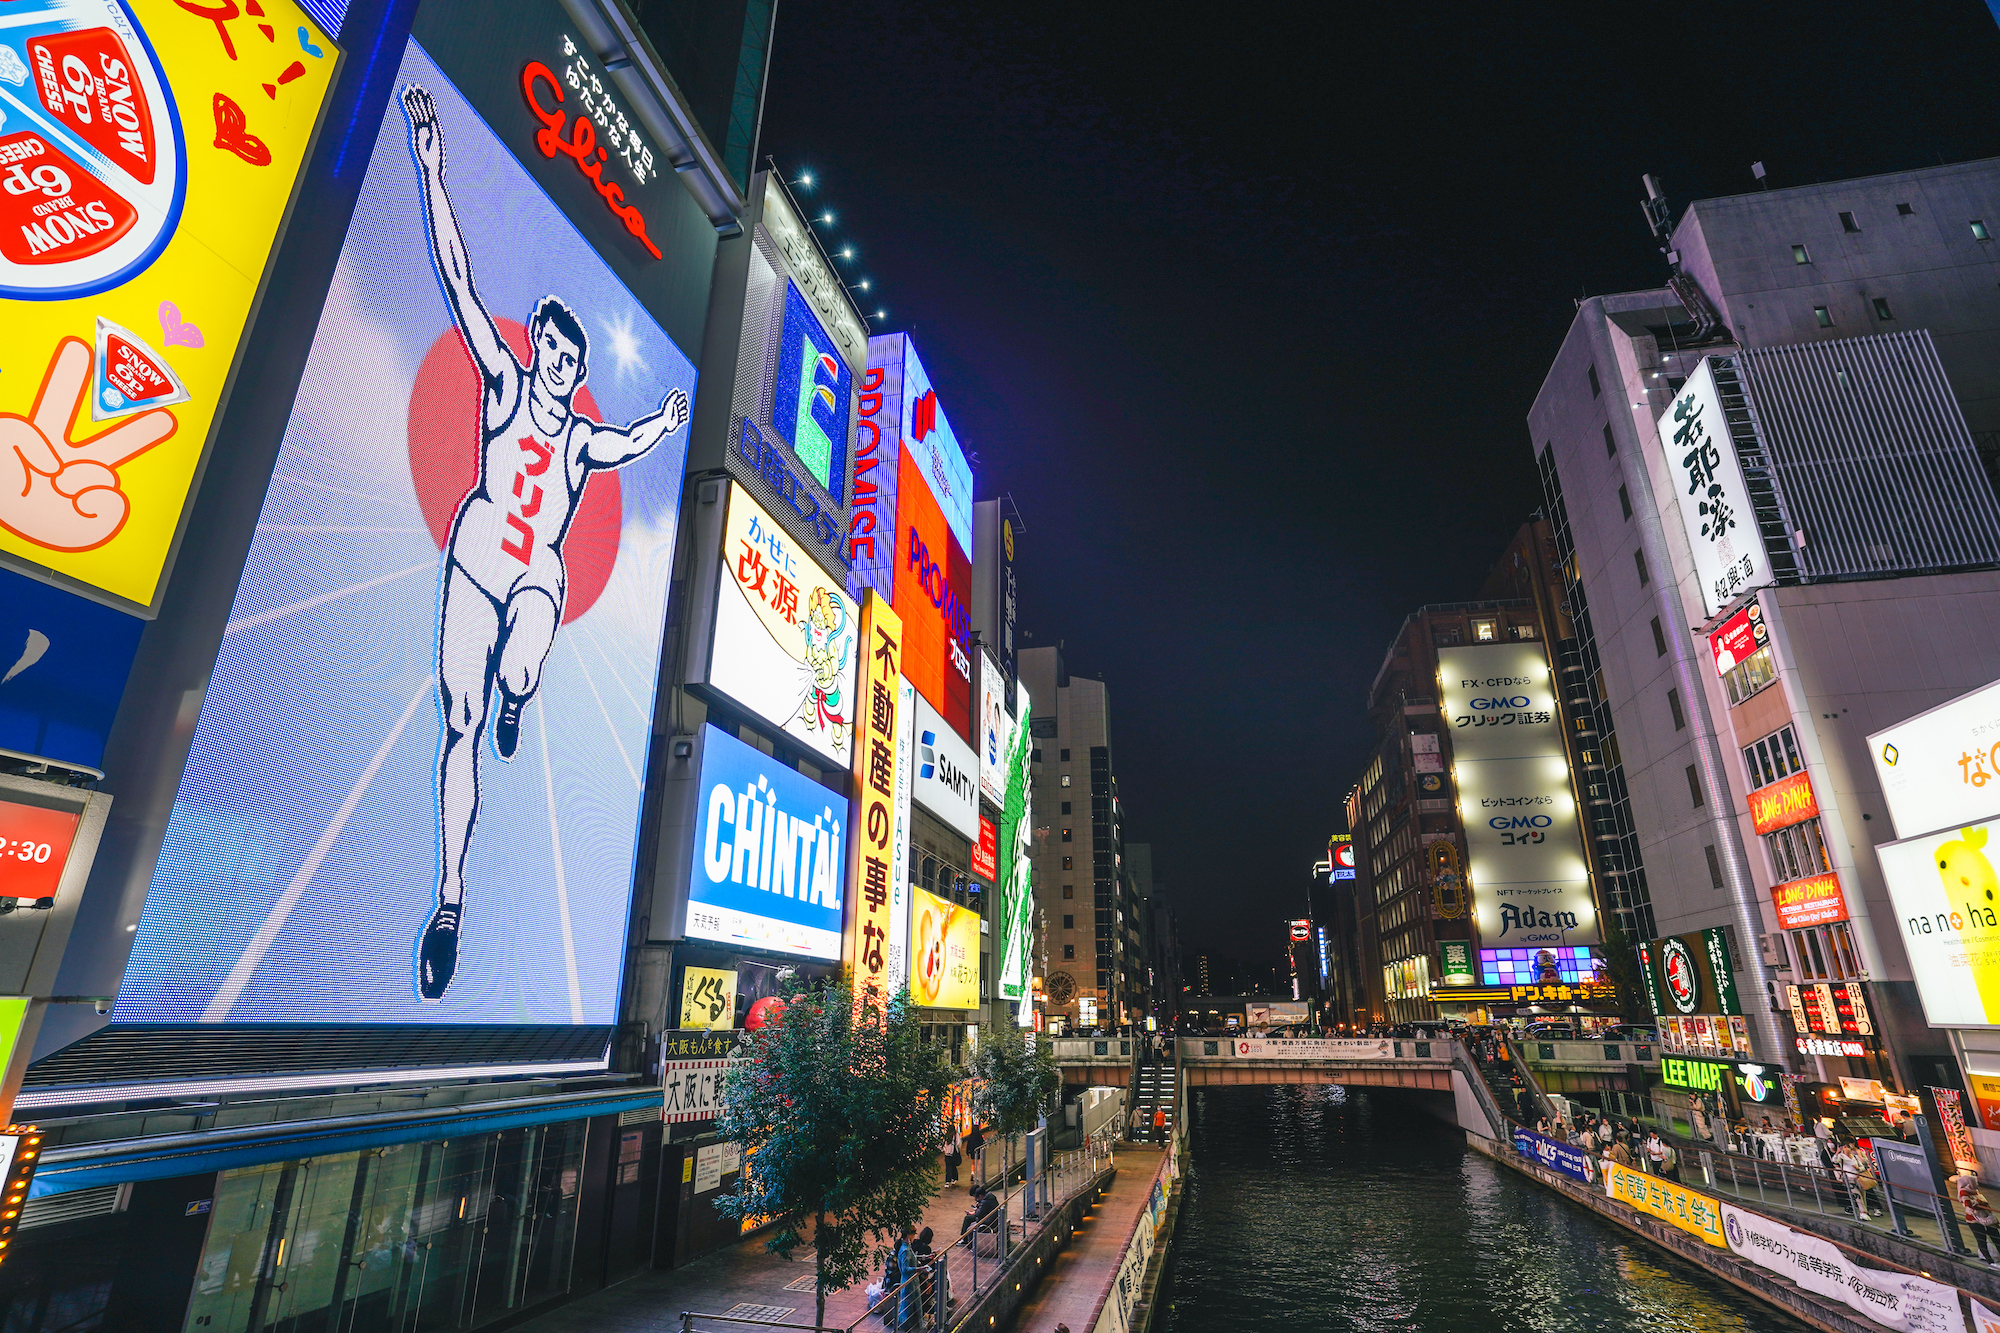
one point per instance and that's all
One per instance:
(1769, 485)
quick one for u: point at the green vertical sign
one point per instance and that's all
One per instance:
(1715, 945)
(1455, 963)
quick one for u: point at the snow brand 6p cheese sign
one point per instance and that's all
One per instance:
(148, 154)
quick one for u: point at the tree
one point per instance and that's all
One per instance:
(838, 1111)
(1018, 1079)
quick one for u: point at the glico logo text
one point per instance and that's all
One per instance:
(958, 621)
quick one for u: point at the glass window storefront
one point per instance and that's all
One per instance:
(450, 1234)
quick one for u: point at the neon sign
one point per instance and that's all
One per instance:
(582, 148)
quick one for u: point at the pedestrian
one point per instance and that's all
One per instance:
(909, 1294)
(926, 1274)
(1654, 1151)
(1620, 1154)
(975, 1149)
(1159, 1124)
(1978, 1213)
(1524, 1101)
(1670, 1162)
(954, 1153)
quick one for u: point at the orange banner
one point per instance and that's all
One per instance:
(1783, 804)
(1809, 902)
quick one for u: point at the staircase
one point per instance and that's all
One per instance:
(1499, 1077)
(1153, 1089)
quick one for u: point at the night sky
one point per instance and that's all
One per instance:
(1247, 319)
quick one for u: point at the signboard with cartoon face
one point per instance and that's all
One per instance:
(148, 155)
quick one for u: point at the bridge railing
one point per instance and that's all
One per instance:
(1588, 1052)
(1094, 1050)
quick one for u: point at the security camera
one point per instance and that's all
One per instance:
(102, 1006)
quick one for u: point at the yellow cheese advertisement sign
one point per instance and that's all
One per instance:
(148, 154)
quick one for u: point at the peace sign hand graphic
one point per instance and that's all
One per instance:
(65, 496)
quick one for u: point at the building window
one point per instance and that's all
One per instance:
(1447, 635)
(1694, 785)
(1750, 675)
(1065, 756)
(1069, 952)
(1825, 953)
(1065, 779)
(1847, 222)
(1625, 502)
(1800, 255)
(1065, 807)
(1659, 639)
(1069, 890)
(1065, 835)
(1979, 232)
(1485, 631)
(1639, 559)
(1596, 388)
(1067, 863)
(1610, 445)
(1524, 631)
(1882, 309)
(1773, 758)
(1904, 210)
(1069, 921)
(1035, 755)
(1797, 852)
(1674, 707)
(1824, 316)
(1714, 868)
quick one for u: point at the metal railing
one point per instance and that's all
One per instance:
(953, 1277)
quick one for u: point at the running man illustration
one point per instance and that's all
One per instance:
(503, 579)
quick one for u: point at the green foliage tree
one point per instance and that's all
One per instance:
(1019, 1079)
(839, 1115)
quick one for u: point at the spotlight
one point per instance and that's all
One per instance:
(847, 252)
(826, 217)
(806, 180)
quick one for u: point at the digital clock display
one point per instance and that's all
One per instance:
(34, 848)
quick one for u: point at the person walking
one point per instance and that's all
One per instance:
(909, 1292)
(1978, 1214)
(954, 1153)
(1524, 1101)
(975, 1149)
(1159, 1124)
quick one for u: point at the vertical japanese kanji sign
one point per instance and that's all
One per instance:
(873, 838)
(148, 156)
(1710, 492)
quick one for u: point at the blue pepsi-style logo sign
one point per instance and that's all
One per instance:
(814, 392)
(1560, 1157)
(63, 665)
(769, 869)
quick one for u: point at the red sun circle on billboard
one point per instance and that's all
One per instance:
(443, 431)
(1677, 967)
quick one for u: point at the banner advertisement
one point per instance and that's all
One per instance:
(1935, 767)
(693, 1090)
(150, 155)
(944, 953)
(865, 944)
(995, 730)
(1713, 501)
(1984, 1319)
(1816, 901)
(64, 662)
(785, 632)
(897, 949)
(768, 869)
(1524, 846)
(945, 783)
(1737, 638)
(1692, 1212)
(1017, 895)
(1300, 1048)
(986, 850)
(1559, 1157)
(1893, 1300)
(434, 695)
(1947, 900)
(708, 998)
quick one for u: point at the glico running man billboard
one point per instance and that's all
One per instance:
(414, 788)
(148, 154)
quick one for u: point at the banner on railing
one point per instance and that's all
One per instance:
(1893, 1300)
(1572, 1162)
(1984, 1320)
(1273, 1048)
(1691, 1211)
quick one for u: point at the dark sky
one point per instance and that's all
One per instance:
(1247, 319)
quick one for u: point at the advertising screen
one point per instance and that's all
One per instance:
(149, 154)
(785, 632)
(814, 396)
(768, 867)
(1737, 638)
(1524, 845)
(986, 851)
(63, 666)
(933, 585)
(1714, 503)
(945, 783)
(1016, 896)
(1935, 767)
(928, 439)
(34, 848)
(1947, 899)
(413, 792)
(944, 953)
(995, 730)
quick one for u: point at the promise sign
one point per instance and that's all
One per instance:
(873, 836)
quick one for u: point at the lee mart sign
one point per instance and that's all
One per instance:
(1941, 769)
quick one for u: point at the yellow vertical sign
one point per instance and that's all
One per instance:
(865, 947)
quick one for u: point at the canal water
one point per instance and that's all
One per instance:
(1309, 1214)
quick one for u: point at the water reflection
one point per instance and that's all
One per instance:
(1306, 1213)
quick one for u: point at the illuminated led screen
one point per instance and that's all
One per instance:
(414, 789)
(1530, 967)
(934, 598)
